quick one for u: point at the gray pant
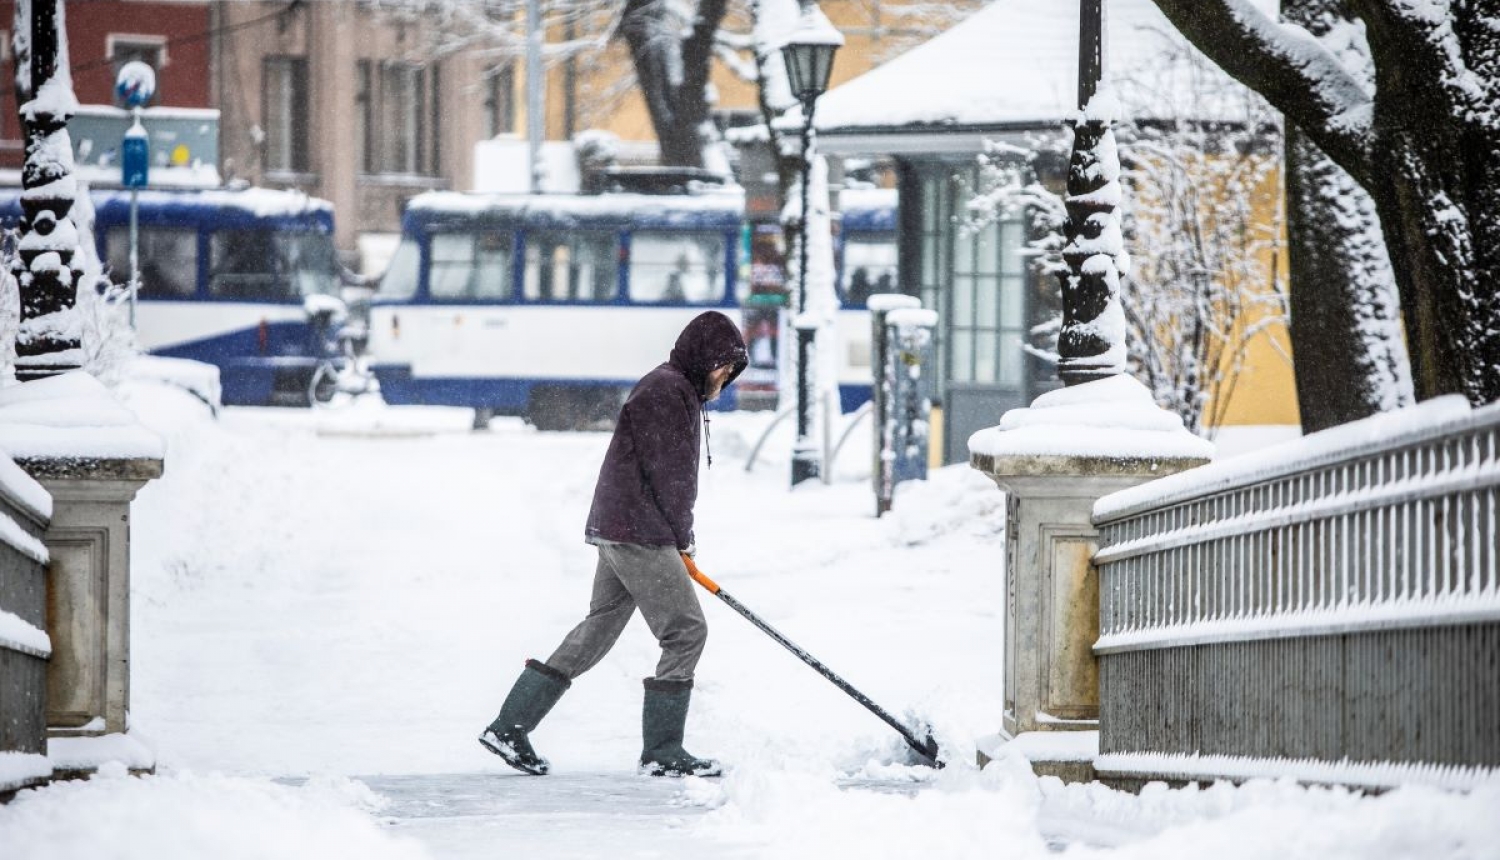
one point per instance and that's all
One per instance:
(655, 579)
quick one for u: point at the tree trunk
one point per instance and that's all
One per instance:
(1347, 348)
(1435, 158)
(1348, 352)
(1426, 147)
(672, 70)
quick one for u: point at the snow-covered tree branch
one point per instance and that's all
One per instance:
(1425, 145)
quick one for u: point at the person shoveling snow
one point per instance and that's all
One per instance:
(642, 523)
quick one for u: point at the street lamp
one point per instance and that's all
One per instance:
(808, 53)
(1091, 344)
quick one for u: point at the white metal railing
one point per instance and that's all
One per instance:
(1396, 531)
(1334, 602)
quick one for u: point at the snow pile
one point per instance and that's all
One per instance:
(17, 768)
(195, 377)
(1005, 811)
(71, 415)
(189, 817)
(1112, 418)
(87, 752)
(953, 499)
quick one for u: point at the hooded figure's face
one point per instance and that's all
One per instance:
(710, 342)
(717, 379)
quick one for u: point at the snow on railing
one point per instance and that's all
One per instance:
(1396, 531)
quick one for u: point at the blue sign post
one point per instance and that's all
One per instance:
(135, 85)
(135, 157)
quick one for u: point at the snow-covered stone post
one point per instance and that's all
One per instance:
(92, 456)
(1054, 459)
(48, 340)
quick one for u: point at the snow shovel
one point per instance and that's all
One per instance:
(926, 748)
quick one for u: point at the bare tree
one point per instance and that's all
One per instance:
(1425, 144)
(672, 46)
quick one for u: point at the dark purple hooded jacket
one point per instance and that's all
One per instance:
(649, 480)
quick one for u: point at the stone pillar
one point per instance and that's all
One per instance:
(92, 456)
(1054, 459)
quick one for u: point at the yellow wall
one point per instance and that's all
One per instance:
(1266, 392)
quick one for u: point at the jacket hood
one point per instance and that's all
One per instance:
(709, 341)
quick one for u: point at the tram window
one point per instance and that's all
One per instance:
(168, 257)
(570, 267)
(267, 265)
(400, 278)
(472, 266)
(869, 269)
(677, 267)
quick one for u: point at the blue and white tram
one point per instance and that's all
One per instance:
(548, 307)
(226, 278)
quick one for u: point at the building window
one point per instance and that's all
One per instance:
(500, 100)
(285, 108)
(122, 48)
(399, 117)
(984, 272)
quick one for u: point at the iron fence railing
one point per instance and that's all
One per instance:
(1338, 600)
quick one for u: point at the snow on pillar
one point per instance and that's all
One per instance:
(1092, 342)
(48, 341)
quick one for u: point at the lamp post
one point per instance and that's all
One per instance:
(1091, 344)
(46, 345)
(808, 53)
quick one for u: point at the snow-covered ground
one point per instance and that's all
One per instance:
(329, 606)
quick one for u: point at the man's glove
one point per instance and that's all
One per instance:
(691, 550)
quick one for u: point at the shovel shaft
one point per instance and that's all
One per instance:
(926, 748)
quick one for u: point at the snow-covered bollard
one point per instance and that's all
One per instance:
(92, 456)
(903, 397)
(1054, 459)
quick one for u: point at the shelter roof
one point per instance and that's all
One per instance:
(1013, 65)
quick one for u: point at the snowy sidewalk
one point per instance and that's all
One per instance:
(329, 606)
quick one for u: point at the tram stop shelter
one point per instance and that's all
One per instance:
(1005, 76)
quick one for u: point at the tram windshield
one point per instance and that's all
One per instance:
(270, 265)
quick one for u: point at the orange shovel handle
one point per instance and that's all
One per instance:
(699, 576)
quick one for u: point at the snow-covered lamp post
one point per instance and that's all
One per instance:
(808, 52)
(1056, 458)
(48, 340)
(1091, 345)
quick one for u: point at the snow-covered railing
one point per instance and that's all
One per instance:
(1335, 599)
(25, 510)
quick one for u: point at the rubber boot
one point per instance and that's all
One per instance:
(535, 692)
(662, 721)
